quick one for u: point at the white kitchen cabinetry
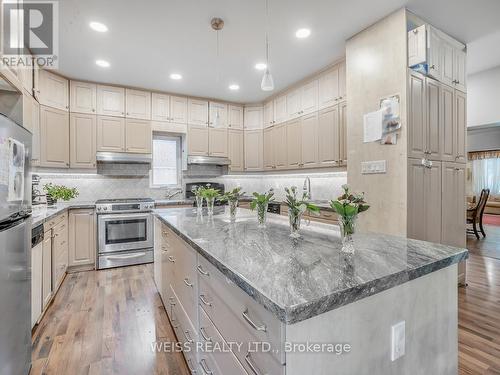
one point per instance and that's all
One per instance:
(454, 204)
(169, 108)
(35, 141)
(268, 149)
(110, 101)
(82, 145)
(253, 118)
(309, 98)
(329, 136)
(269, 114)
(36, 283)
(54, 137)
(83, 97)
(253, 150)
(217, 142)
(138, 136)
(332, 86)
(46, 268)
(294, 144)
(275, 150)
(235, 150)
(53, 90)
(28, 111)
(82, 238)
(235, 116)
(280, 109)
(309, 126)
(138, 104)
(59, 250)
(197, 112)
(110, 134)
(293, 106)
(198, 140)
(217, 116)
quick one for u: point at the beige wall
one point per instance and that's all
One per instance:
(376, 68)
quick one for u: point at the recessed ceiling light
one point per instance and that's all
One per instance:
(175, 76)
(261, 66)
(234, 87)
(302, 33)
(97, 26)
(102, 63)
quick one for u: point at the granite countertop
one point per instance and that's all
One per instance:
(299, 279)
(323, 204)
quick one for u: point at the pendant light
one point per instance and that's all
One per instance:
(267, 83)
(217, 25)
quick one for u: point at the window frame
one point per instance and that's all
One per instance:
(178, 140)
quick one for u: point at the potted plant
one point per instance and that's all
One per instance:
(197, 191)
(55, 192)
(348, 206)
(232, 198)
(296, 208)
(210, 194)
(261, 201)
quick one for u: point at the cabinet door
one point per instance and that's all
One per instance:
(293, 105)
(83, 97)
(253, 150)
(343, 132)
(138, 136)
(28, 111)
(83, 129)
(416, 117)
(434, 54)
(160, 107)
(179, 109)
(217, 142)
(417, 46)
(447, 57)
(81, 237)
(197, 112)
(47, 268)
(217, 115)
(268, 144)
(54, 137)
(35, 141)
(198, 140)
(294, 144)
(110, 134)
(53, 90)
(253, 118)
(446, 126)
(309, 98)
(157, 258)
(342, 82)
(460, 126)
(36, 283)
(432, 112)
(138, 104)
(454, 204)
(110, 101)
(269, 114)
(328, 87)
(309, 126)
(459, 69)
(235, 116)
(235, 154)
(280, 149)
(280, 112)
(328, 137)
(26, 76)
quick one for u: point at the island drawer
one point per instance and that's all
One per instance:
(54, 221)
(238, 317)
(224, 361)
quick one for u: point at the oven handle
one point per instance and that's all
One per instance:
(128, 256)
(124, 216)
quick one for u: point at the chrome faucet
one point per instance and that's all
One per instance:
(172, 193)
(307, 186)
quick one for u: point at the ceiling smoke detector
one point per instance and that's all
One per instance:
(217, 23)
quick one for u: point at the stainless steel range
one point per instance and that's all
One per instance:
(124, 232)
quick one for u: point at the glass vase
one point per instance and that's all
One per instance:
(210, 205)
(233, 207)
(294, 217)
(262, 214)
(199, 203)
(347, 230)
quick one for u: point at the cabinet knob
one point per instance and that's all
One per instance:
(93, 109)
(432, 67)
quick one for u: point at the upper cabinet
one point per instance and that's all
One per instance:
(293, 106)
(138, 136)
(110, 101)
(217, 115)
(331, 86)
(54, 137)
(83, 97)
(82, 131)
(269, 114)
(197, 112)
(280, 113)
(309, 98)
(253, 117)
(138, 104)
(169, 108)
(110, 133)
(235, 116)
(52, 90)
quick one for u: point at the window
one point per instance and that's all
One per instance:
(486, 174)
(166, 167)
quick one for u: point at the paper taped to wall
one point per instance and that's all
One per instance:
(372, 126)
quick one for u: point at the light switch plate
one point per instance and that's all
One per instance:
(374, 166)
(397, 340)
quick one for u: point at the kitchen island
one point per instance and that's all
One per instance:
(260, 285)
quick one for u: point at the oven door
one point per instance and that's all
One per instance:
(118, 232)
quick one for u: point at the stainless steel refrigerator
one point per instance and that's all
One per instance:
(15, 248)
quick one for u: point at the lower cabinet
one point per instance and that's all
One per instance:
(82, 238)
(47, 268)
(59, 252)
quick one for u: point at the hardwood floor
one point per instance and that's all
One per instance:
(103, 322)
(488, 246)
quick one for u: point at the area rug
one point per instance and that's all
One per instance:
(491, 219)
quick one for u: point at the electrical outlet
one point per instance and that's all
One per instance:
(397, 340)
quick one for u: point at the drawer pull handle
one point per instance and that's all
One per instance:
(188, 337)
(201, 271)
(205, 368)
(171, 258)
(252, 323)
(191, 369)
(250, 364)
(138, 255)
(204, 334)
(164, 232)
(204, 301)
(186, 281)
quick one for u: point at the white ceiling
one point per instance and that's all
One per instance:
(148, 40)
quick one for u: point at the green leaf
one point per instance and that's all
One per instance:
(338, 207)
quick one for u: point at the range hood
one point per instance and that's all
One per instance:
(123, 158)
(208, 160)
